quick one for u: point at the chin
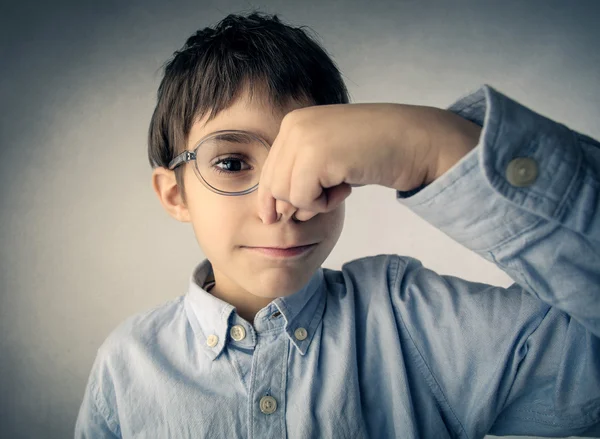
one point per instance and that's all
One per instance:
(273, 283)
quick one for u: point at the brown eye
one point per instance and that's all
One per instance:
(230, 165)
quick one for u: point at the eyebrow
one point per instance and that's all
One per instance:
(256, 131)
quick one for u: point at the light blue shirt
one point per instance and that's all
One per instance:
(385, 347)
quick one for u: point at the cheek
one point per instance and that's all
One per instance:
(214, 217)
(215, 226)
(334, 222)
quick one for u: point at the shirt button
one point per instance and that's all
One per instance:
(238, 333)
(522, 171)
(268, 405)
(212, 340)
(300, 334)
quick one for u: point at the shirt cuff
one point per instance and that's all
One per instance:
(482, 201)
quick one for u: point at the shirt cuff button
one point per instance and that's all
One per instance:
(522, 171)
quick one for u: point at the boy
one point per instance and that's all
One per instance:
(267, 344)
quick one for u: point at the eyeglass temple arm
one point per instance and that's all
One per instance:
(184, 157)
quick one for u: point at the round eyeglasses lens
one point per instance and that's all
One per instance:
(231, 162)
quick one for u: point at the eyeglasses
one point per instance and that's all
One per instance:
(227, 162)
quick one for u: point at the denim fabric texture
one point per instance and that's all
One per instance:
(390, 348)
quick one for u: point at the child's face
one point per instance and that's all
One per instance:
(223, 225)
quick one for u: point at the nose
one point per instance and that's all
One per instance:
(285, 211)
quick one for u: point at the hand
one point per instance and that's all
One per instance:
(322, 151)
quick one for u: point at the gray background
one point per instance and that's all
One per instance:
(84, 242)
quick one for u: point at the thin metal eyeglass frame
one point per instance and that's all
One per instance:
(188, 156)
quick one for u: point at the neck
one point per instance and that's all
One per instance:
(246, 304)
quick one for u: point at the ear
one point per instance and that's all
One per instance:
(169, 194)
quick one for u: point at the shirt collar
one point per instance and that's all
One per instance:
(303, 310)
(209, 315)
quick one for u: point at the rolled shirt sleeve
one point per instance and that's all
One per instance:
(523, 360)
(527, 199)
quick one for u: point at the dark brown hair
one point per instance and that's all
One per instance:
(256, 51)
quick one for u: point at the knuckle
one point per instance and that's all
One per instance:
(296, 199)
(278, 192)
(300, 197)
(288, 120)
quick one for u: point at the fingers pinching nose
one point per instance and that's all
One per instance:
(279, 215)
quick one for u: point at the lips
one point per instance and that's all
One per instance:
(283, 247)
(288, 247)
(283, 252)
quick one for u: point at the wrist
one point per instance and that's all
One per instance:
(452, 144)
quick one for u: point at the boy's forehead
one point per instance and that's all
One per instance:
(256, 115)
